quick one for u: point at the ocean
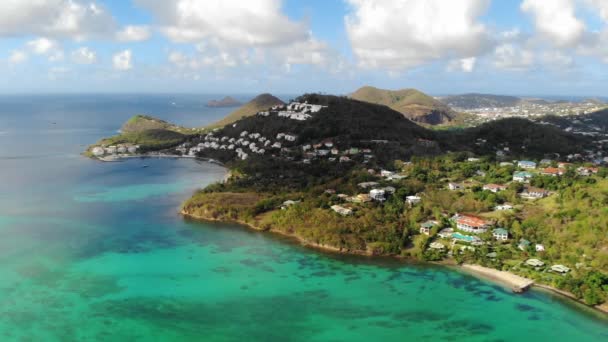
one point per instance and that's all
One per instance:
(93, 251)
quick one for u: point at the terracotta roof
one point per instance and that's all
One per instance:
(472, 221)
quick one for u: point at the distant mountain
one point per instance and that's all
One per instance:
(259, 103)
(471, 101)
(227, 101)
(413, 104)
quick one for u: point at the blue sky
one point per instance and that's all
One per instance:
(521, 47)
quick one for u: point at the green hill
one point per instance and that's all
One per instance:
(259, 103)
(413, 104)
(141, 123)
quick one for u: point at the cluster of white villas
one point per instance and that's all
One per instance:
(100, 151)
(244, 145)
(294, 111)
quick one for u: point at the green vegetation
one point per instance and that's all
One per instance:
(148, 140)
(412, 103)
(259, 103)
(571, 224)
(140, 123)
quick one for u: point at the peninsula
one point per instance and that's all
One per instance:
(355, 177)
(227, 101)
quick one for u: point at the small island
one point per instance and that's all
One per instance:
(523, 201)
(227, 101)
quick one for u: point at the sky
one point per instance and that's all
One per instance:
(516, 47)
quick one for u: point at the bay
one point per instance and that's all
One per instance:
(95, 251)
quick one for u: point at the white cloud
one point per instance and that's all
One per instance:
(464, 64)
(123, 60)
(133, 33)
(556, 20)
(84, 55)
(17, 57)
(74, 19)
(42, 46)
(226, 22)
(46, 47)
(513, 57)
(557, 60)
(399, 34)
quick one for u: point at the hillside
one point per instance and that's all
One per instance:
(259, 103)
(227, 101)
(412, 103)
(141, 123)
(473, 100)
(522, 137)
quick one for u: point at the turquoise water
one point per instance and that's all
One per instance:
(97, 252)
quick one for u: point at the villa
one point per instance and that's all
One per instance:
(472, 224)
(500, 234)
(526, 164)
(502, 207)
(413, 199)
(377, 195)
(523, 244)
(454, 186)
(539, 247)
(535, 263)
(552, 171)
(560, 269)
(436, 245)
(494, 187)
(341, 210)
(426, 227)
(446, 233)
(522, 176)
(534, 193)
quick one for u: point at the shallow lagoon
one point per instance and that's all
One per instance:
(97, 251)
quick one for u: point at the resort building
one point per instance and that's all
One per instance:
(378, 195)
(535, 263)
(539, 247)
(552, 171)
(455, 186)
(560, 269)
(446, 233)
(413, 199)
(526, 164)
(472, 224)
(502, 207)
(522, 176)
(523, 244)
(534, 193)
(500, 234)
(494, 187)
(427, 226)
(342, 210)
(436, 245)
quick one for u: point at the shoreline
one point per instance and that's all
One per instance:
(119, 158)
(516, 283)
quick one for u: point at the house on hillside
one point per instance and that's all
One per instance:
(560, 269)
(523, 244)
(500, 234)
(446, 233)
(413, 199)
(526, 164)
(552, 171)
(495, 187)
(472, 224)
(534, 193)
(342, 210)
(455, 186)
(378, 195)
(522, 176)
(426, 227)
(504, 206)
(534, 263)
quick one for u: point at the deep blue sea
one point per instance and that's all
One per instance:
(93, 251)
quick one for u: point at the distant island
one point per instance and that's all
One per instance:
(513, 196)
(227, 101)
